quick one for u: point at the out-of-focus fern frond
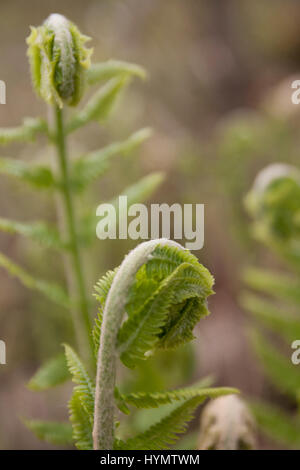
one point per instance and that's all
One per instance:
(40, 177)
(274, 202)
(137, 193)
(142, 190)
(89, 167)
(280, 426)
(57, 433)
(30, 128)
(54, 372)
(272, 316)
(53, 291)
(38, 231)
(113, 68)
(282, 286)
(279, 367)
(100, 105)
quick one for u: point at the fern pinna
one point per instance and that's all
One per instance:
(274, 202)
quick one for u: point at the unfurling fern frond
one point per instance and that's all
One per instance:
(159, 321)
(59, 59)
(162, 290)
(274, 202)
(141, 332)
(179, 287)
(180, 295)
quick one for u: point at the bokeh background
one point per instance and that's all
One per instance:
(218, 99)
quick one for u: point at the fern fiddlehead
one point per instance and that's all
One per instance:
(112, 318)
(273, 202)
(163, 290)
(58, 58)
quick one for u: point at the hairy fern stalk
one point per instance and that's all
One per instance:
(152, 301)
(274, 203)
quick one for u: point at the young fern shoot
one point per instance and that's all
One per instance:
(152, 301)
(112, 316)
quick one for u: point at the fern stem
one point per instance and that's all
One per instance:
(103, 432)
(81, 318)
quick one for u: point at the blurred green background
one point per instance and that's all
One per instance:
(218, 99)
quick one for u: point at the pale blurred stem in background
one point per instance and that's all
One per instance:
(73, 261)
